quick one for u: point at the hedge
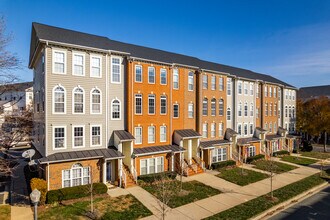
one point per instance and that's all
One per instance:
(254, 158)
(223, 164)
(149, 178)
(41, 185)
(281, 152)
(74, 192)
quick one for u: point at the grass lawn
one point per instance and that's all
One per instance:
(122, 207)
(317, 155)
(191, 192)
(5, 212)
(277, 166)
(236, 176)
(258, 205)
(298, 160)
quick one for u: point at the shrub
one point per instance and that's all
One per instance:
(223, 164)
(307, 146)
(149, 178)
(74, 192)
(254, 158)
(41, 185)
(281, 152)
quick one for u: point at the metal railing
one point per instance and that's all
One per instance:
(134, 173)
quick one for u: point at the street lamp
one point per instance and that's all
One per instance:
(35, 198)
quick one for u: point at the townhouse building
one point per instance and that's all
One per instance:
(112, 111)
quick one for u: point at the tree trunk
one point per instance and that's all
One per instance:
(325, 141)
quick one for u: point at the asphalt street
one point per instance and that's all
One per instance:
(314, 207)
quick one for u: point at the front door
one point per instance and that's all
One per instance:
(109, 167)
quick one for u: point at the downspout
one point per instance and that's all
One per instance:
(106, 100)
(47, 176)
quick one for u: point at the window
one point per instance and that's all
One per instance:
(163, 105)
(138, 104)
(204, 130)
(213, 82)
(213, 129)
(251, 109)
(246, 91)
(190, 110)
(275, 127)
(59, 62)
(138, 135)
(251, 129)
(151, 134)
(95, 66)
(266, 109)
(257, 112)
(96, 135)
(239, 129)
(275, 109)
(251, 89)
(245, 129)
(228, 86)
(279, 93)
(290, 112)
(245, 109)
(96, 101)
(205, 104)
(293, 112)
(213, 107)
(78, 64)
(163, 76)
(275, 92)
(163, 134)
(270, 128)
(286, 94)
(266, 91)
(266, 126)
(286, 111)
(293, 95)
(270, 91)
(251, 151)
(59, 99)
(151, 75)
(220, 129)
(138, 73)
(190, 81)
(228, 114)
(152, 165)
(221, 107)
(270, 109)
(115, 109)
(239, 88)
(175, 79)
(205, 82)
(151, 104)
(78, 100)
(240, 109)
(221, 84)
(257, 92)
(76, 176)
(219, 155)
(175, 110)
(78, 136)
(59, 137)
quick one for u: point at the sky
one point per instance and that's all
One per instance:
(288, 39)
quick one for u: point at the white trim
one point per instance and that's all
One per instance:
(141, 96)
(139, 127)
(162, 97)
(160, 76)
(91, 101)
(53, 60)
(154, 98)
(151, 67)
(91, 135)
(191, 77)
(53, 100)
(90, 65)
(73, 137)
(160, 133)
(136, 65)
(156, 166)
(65, 137)
(111, 111)
(239, 132)
(73, 101)
(176, 72)
(111, 73)
(178, 110)
(247, 129)
(150, 142)
(84, 63)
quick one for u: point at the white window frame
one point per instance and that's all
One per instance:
(53, 100)
(205, 103)
(190, 81)
(154, 70)
(73, 63)
(229, 83)
(154, 134)
(270, 93)
(73, 101)
(178, 110)
(213, 104)
(135, 135)
(91, 134)
(251, 89)
(239, 87)
(205, 82)
(266, 91)
(221, 106)
(240, 109)
(140, 96)
(252, 149)
(246, 89)
(163, 97)
(220, 129)
(91, 67)
(112, 64)
(219, 152)
(228, 116)
(91, 101)
(157, 159)
(152, 96)
(81, 177)
(213, 130)
(83, 137)
(162, 70)
(251, 109)
(205, 130)
(213, 83)
(120, 109)
(135, 74)
(246, 109)
(65, 137)
(53, 61)
(246, 131)
(190, 110)
(239, 128)
(221, 84)
(176, 75)
(251, 129)
(163, 133)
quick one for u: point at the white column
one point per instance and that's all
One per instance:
(120, 165)
(104, 171)
(172, 166)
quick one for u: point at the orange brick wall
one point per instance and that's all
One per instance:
(258, 106)
(270, 101)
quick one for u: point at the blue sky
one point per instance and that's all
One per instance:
(288, 39)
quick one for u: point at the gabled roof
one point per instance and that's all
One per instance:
(246, 141)
(231, 132)
(213, 143)
(124, 135)
(157, 150)
(261, 129)
(313, 92)
(187, 133)
(17, 87)
(55, 34)
(272, 137)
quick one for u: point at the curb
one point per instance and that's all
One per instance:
(287, 204)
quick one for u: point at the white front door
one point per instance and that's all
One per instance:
(109, 171)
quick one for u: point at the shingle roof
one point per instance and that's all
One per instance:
(56, 34)
(231, 132)
(260, 129)
(313, 92)
(16, 86)
(124, 135)
(187, 133)
(245, 141)
(271, 137)
(107, 153)
(157, 150)
(292, 136)
(210, 144)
